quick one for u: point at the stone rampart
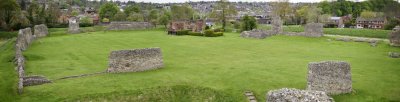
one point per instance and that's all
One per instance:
(135, 60)
(332, 77)
(41, 31)
(129, 25)
(296, 95)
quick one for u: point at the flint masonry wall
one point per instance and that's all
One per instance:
(296, 95)
(394, 36)
(73, 26)
(24, 40)
(40, 31)
(258, 34)
(135, 60)
(332, 77)
(310, 30)
(129, 25)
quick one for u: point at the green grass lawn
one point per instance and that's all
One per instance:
(201, 66)
(371, 33)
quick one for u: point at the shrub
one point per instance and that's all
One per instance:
(209, 33)
(182, 32)
(219, 30)
(106, 20)
(58, 25)
(85, 24)
(218, 33)
(8, 35)
(207, 27)
(196, 33)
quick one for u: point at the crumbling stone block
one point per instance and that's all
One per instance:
(24, 39)
(35, 80)
(73, 26)
(394, 37)
(135, 60)
(259, 34)
(314, 30)
(40, 31)
(277, 25)
(296, 95)
(333, 77)
(394, 55)
(129, 25)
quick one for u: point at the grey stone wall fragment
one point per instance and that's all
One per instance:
(332, 77)
(129, 25)
(40, 31)
(73, 26)
(135, 60)
(295, 95)
(35, 80)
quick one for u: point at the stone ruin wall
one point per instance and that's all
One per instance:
(314, 30)
(258, 34)
(129, 25)
(73, 26)
(296, 95)
(41, 31)
(135, 60)
(277, 25)
(310, 30)
(332, 77)
(24, 40)
(394, 37)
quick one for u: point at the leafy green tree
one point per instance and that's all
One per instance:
(131, 9)
(281, 8)
(182, 12)
(135, 17)
(120, 16)
(302, 14)
(154, 17)
(74, 13)
(52, 13)
(108, 10)
(165, 18)
(11, 15)
(368, 14)
(314, 14)
(223, 11)
(248, 23)
(326, 7)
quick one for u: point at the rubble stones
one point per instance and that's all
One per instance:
(295, 95)
(135, 60)
(129, 25)
(35, 80)
(394, 55)
(73, 27)
(259, 34)
(333, 77)
(40, 31)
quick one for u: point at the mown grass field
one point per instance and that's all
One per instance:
(371, 33)
(196, 68)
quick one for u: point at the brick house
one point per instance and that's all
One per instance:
(373, 23)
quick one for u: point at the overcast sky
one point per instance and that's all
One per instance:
(166, 1)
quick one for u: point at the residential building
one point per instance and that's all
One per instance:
(373, 23)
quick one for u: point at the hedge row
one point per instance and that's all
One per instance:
(207, 33)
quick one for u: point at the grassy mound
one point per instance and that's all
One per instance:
(178, 93)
